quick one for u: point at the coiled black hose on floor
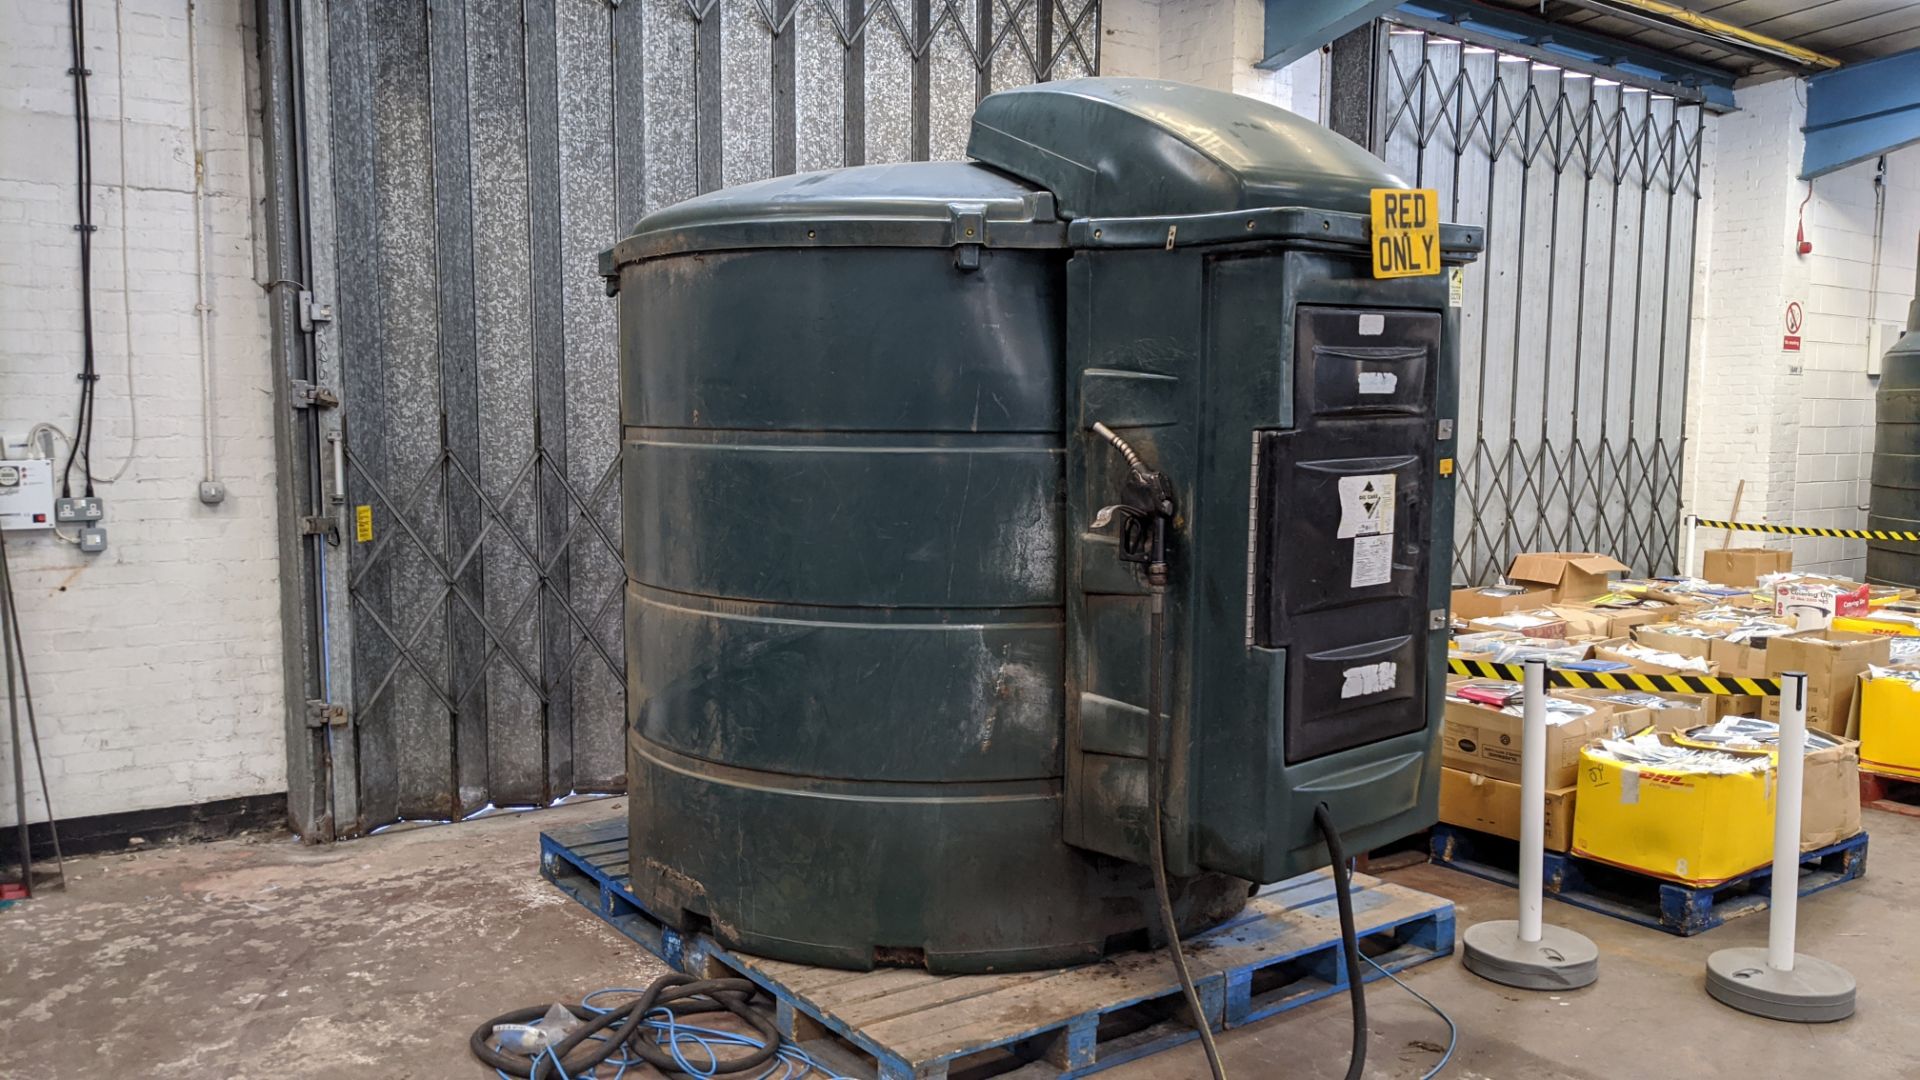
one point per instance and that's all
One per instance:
(626, 1032)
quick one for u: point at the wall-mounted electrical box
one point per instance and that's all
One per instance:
(26, 494)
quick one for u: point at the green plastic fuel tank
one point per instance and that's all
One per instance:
(1894, 504)
(885, 676)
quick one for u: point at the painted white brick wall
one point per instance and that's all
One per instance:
(1211, 43)
(1798, 428)
(156, 664)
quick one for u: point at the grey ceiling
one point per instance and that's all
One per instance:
(1847, 30)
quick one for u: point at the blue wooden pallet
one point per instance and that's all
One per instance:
(906, 1024)
(1664, 905)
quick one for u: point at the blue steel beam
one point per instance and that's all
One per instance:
(1552, 42)
(1295, 28)
(1860, 112)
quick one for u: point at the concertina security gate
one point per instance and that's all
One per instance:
(1574, 323)
(461, 163)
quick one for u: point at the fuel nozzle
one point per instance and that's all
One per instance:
(1145, 512)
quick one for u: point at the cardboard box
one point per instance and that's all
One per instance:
(1830, 796)
(1667, 638)
(1546, 623)
(1572, 575)
(1478, 604)
(1473, 801)
(1889, 725)
(1694, 828)
(1691, 711)
(1832, 660)
(1829, 792)
(1744, 566)
(1478, 739)
(1740, 659)
(1588, 620)
(1610, 650)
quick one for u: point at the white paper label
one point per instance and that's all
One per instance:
(1378, 382)
(1370, 679)
(1372, 560)
(1456, 286)
(1629, 786)
(1373, 325)
(1366, 505)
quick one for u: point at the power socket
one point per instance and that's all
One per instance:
(71, 511)
(93, 538)
(212, 491)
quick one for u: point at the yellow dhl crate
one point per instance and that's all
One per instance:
(1883, 627)
(1890, 726)
(1694, 828)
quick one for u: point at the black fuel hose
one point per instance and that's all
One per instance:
(1156, 636)
(1343, 900)
(626, 1031)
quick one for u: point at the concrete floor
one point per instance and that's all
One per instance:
(263, 958)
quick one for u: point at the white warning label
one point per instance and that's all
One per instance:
(1456, 286)
(1378, 382)
(1366, 505)
(1370, 679)
(1372, 560)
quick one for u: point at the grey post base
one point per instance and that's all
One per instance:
(1561, 960)
(1814, 992)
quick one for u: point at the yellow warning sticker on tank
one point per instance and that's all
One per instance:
(1446, 466)
(1406, 232)
(362, 523)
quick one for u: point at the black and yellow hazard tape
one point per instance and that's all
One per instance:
(1620, 680)
(1808, 530)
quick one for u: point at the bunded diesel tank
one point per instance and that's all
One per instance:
(1894, 505)
(886, 676)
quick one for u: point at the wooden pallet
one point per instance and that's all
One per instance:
(1640, 898)
(1891, 792)
(905, 1024)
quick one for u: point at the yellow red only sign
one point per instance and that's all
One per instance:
(1406, 232)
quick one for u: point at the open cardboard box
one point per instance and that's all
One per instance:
(1829, 792)
(1832, 661)
(1479, 603)
(1572, 575)
(1666, 638)
(1744, 565)
(1533, 622)
(1610, 650)
(1587, 619)
(1688, 711)
(1480, 739)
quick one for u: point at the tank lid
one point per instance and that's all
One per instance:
(917, 204)
(1111, 147)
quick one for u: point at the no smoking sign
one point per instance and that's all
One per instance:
(1790, 341)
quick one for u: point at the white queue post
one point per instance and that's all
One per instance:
(1776, 982)
(1525, 952)
(1687, 525)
